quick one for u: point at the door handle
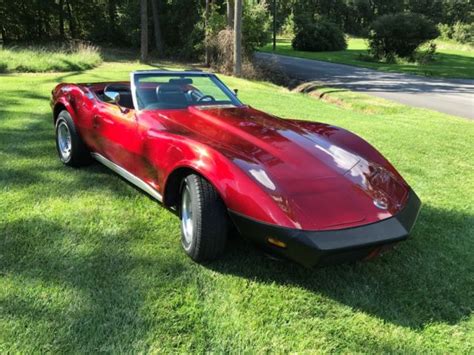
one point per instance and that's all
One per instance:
(95, 122)
(98, 119)
(108, 120)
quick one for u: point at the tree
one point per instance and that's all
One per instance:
(112, 15)
(156, 26)
(144, 31)
(400, 35)
(206, 32)
(72, 24)
(230, 13)
(322, 35)
(238, 38)
(61, 18)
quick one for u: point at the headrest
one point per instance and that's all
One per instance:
(182, 81)
(168, 89)
(117, 87)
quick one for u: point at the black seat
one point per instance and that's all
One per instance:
(126, 100)
(125, 94)
(171, 96)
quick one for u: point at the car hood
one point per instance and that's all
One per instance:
(311, 174)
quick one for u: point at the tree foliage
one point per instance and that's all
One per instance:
(400, 35)
(117, 22)
(356, 16)
(321, 35)
(256, 25)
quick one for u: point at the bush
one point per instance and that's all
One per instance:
(319, 36)
(463, 32)
(255, 26)
(445, 31)
(255, 33)
(400, 35)
(459, 32)
(221, 47)
(288, 27)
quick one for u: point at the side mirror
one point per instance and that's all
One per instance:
(114, 96)
(236, 91)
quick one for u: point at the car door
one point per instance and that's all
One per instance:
(119, 141)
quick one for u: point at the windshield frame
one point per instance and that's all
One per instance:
(134, 76)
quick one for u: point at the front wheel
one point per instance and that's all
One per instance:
(204, 220)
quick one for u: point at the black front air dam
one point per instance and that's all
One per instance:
(311, 248)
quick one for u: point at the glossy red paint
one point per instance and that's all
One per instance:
(295, 174)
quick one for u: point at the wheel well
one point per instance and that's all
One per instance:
(173, 185)
(57, 110)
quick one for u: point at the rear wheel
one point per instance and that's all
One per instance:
(204, 220)
(71, 149)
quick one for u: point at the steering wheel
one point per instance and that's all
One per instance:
(206, 97)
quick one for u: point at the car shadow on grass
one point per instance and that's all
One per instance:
(427, 279)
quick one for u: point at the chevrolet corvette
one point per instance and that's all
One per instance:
(306, 191)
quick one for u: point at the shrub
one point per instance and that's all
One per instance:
(427, 56)
(255, 26)
(459, 32)
(463, 32)
(255, 33)
(318, 36)
(222, 51)
(288, 27)
(445, 31)
(400, 35)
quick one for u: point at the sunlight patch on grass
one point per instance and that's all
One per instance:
(451, 61)
(49, 59)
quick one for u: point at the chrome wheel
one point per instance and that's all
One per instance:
(64, 141)
(187, 217)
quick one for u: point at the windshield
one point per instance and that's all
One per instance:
(180, 90)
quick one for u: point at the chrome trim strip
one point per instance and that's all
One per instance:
(128, 176)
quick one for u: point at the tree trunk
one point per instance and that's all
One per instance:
(156, 27)
(144, 31)
(274, 25)
(230, 13)
(238, 38)
(206, 31)
(47, 20)
(72, 27)
(61, 18)
(3, 36)
(39, 22)
(112, 15)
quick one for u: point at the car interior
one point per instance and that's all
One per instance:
(174, 93)
(123, 90)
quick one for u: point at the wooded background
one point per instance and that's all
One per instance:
(177, 27)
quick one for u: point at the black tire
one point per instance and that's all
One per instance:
(78, 155)
(209, 220)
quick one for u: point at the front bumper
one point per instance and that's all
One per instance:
(311, 248)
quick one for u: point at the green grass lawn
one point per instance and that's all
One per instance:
(48, 59)
(451, 60)
(88, 263)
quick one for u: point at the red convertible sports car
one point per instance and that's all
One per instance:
(307, 191)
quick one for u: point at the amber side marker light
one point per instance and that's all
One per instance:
(276, 242)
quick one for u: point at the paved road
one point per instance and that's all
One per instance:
(452, 96)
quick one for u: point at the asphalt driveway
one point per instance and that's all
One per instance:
(451, 96)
